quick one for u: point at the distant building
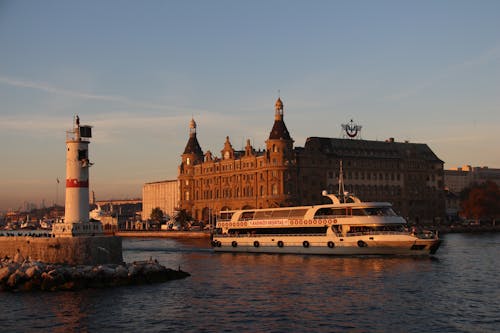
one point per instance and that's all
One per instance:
(162, 194)
(122, 207)
(408, 175)
(112, 224)
(457, 179)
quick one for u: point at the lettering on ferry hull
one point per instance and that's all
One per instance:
(77, 183)
(277, 222)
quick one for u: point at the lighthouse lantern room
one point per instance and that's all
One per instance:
(76, 213)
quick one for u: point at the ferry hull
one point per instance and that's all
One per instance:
(358, 246)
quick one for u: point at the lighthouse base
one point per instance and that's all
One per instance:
(92, 228)
(84, 250)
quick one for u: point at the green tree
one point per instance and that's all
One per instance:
(157, 215)
(183, 217)
(481, 201)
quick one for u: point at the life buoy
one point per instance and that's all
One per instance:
(234, 244)
(305, 244)
(331, 244)
(362, 243)
(256, 244)
(280, 243)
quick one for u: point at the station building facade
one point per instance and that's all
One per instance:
(407, 174)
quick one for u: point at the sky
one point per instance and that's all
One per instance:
(138, 71)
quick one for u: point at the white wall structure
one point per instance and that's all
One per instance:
(162, 194)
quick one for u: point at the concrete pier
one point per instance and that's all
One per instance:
(82, 250)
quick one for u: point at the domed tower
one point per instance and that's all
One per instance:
(280, 160)
(279, 139)
(192, 153)
(192, 156)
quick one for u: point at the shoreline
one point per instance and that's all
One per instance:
(467, 229)
(163, 234)
(206, 234)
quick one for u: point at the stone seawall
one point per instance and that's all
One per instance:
(92, 250)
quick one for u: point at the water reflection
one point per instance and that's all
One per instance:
(278, 293)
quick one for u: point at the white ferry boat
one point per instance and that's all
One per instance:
(350, 227)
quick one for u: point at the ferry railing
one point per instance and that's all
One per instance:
(369, 233)
(329, 217)
(420, 235)
(269, 235)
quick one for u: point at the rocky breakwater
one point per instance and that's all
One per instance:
(18, 274)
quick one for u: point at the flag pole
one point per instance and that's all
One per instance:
(57, 191)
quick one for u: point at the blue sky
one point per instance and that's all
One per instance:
(424, 71)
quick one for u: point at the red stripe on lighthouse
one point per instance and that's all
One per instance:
(77, 183)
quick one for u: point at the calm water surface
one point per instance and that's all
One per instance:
(457, 291)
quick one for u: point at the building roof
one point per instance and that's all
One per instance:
(193, 147)
(279, 131)
(371, 149)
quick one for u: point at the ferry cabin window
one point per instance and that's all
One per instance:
(374, 211)
(280, 214)
(279, 231)
(263, 214)
(380, 211)
(329, 212)
(226, 216)
(323, 212)
(358, 212)
(297, 213)
(246, 216)
(376, 229)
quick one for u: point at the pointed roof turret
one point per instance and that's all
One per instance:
(192, 146)
(279, 130)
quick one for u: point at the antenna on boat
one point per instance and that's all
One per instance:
(341, 193)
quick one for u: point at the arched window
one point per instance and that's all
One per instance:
(274, 189)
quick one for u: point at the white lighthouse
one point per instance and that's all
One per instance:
(76, 213)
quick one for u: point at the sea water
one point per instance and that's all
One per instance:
(457, 290)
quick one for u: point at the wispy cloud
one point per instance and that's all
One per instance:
(484, 58)
(51, 89)
(106, 122)
(112, 127)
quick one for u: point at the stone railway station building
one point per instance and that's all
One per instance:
(407, 174)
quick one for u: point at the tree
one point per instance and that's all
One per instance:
(183, 217)
(157, 215)
(481, 201)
